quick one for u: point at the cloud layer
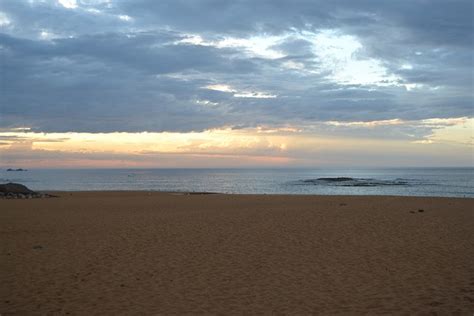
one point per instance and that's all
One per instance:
(103, 66)
(263, 146)
(394, 71)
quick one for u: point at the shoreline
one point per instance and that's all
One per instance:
(246, 194)
(149, 252)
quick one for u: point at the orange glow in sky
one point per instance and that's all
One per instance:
(450, 140)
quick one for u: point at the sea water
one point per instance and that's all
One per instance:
(450, 182)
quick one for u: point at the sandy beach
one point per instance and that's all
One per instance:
(111, 253)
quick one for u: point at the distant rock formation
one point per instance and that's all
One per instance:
(353, 182)
(19, 191)
(19, 169)
(337, 179)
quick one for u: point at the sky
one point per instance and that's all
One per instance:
(216, 83)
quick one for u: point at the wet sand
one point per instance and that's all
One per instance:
(110, 253)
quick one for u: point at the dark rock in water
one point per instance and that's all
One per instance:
(337, 179)
(19, 169)
(353, 182)
(19, 191)
(328, 180)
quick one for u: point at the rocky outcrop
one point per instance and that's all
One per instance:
(19, 191)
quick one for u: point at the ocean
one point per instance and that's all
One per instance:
(449, 182)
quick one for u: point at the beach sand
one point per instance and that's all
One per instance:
(110, 253)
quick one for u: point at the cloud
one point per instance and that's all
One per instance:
(177, 66)
(367, 124)
(69, 4)
(261, 146)
(240, 93)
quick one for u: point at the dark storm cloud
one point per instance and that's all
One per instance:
(119, 66)
(107, 83)
(29, 18)
(436, 22)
